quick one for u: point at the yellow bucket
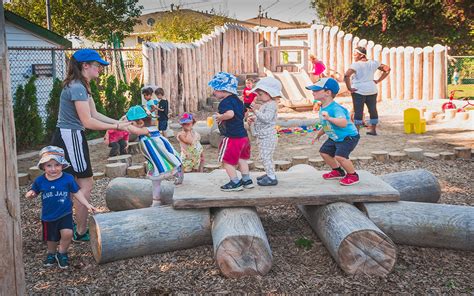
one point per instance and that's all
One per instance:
(210, 121)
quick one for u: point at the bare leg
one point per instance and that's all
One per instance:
(230, 170)
(52, 247)
(346, 164)
(65, 242)
(86, 185)
(330, 161)
(243, 166)
(156, 193)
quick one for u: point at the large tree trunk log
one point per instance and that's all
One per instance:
(127, 234)
(129, 193)
(424, 224)
(357, 245)
(416, 185)
(12, 276)
(241, 247)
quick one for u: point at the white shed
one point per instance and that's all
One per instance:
(33, 49)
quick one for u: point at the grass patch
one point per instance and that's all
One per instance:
(467, 90)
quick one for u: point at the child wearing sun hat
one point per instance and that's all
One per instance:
(190, 141)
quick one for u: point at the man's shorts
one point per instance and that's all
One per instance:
(342, 149)
(233, 149)
(51, 229)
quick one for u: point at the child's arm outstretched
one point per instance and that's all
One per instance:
(340, 122)
(81, 198)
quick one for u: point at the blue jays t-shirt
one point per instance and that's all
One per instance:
(334, 132)
(234, 127)
(55, 196)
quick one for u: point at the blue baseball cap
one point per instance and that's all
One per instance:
(136, 112)
(326, 84)
(89, 55)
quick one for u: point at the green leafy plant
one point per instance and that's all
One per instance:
(28, 124)
(114, 94)
(135, 92)
(53, 108)
(304, 242)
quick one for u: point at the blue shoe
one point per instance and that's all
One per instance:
(63, 260)
(267, 181)
(247, 184)
(231, 186)
(261, 177)
(50, 260)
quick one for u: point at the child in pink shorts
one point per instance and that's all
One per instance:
(234, 149)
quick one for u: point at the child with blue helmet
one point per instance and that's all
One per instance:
(163, 160)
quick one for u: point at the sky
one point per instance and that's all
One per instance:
(285, 10)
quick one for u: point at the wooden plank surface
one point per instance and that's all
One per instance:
(293, 188)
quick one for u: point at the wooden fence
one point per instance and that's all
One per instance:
(183, 70)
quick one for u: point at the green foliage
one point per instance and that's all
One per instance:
(28, 124)
(304, 242)
(99, 104)
(178, 26)
(53, 108)
(96, 20)
(116, 102)
(408, 23)
(135, 92)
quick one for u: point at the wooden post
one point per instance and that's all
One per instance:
(408, 72)
(319, 42)
(439, 72)
(400, 73)
(147, 64)
(340, 53)
(326, 48)
(417, 73)
(12, 275)
(385, 90)
(347, 51)
(332, 47)
(370, 49)
(312, 37)
(427, 73)
(377, 56)
(363, 43)
(393, 73)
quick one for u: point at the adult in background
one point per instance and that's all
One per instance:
(364, 88)
(76, 113)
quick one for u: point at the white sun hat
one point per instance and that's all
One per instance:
(269, 85)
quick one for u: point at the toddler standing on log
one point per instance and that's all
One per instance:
(342, 133)
(163, 160)
(56, 188)
(234, 149)
(264, 116)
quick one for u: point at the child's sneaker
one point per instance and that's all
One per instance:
(81, 237)
(350, 179)
(267, 181)
(334, 174)
(50, 260)
(63, 260)
(231, 186)
(247, 184)
(261, 177)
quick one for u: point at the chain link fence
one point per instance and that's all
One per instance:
(461, 75)
(47, 64)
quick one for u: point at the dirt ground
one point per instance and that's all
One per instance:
(295, 270)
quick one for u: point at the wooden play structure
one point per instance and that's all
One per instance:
(413, 121)
(360, 226)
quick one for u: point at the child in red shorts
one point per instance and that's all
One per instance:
(234, 149)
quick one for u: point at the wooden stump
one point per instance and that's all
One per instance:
(299, 160)
(380, 155)
(439, 117)
(133, 148)
(397, 156)
(259, 167)
(450, 113)
(126, 158)
(354, 159)
(414, 153)
(316, 162)
(282, 165)
(447, 155)
(462, 152)
(136, 171)
(302, 168)
(431, 155)
(416, 185)
(134, 233)
(241, 246)
(357, 245)
(365, 159)
(251, 165)
(23, 179)
(98, 175)
(118, 169)
(425, 224)
(34, 172)
(210, 167)
(127, 193)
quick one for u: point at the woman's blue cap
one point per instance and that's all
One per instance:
(89, 55)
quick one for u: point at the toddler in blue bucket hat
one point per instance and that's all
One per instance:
(56, 188)
(234, 149)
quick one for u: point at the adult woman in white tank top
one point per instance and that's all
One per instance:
(363, 87)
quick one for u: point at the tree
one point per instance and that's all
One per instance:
(135, 92)
(182, 26)
(403, 23)
(53, 108)
(116, 103)
(96, 20)
(28, 124)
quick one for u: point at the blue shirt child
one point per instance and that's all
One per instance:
(234, 127)
(334, 132)
(55, 195)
